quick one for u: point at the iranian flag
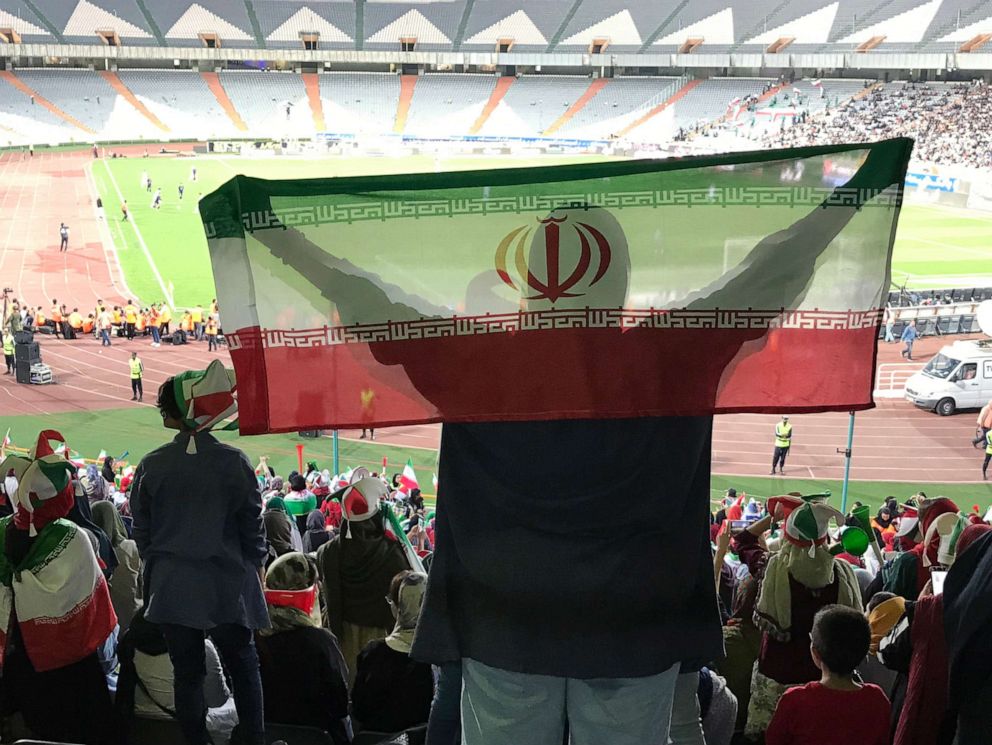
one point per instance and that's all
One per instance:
(61, 598)
(408, 479)
(689, 286)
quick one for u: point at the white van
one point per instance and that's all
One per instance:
(959, 377)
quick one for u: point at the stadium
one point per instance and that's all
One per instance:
(127, 127)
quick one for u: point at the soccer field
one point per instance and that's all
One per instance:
(165, 249)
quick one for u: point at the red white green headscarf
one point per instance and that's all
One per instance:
(206, 398)
(58, 591)
(39, 485)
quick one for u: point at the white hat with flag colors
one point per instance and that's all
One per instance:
(807, 525)
(206, 398)
(39, 485)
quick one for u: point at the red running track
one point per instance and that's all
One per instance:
(894, 442)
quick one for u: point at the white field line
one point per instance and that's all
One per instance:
(141, 241)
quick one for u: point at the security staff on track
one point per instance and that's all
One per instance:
(783, 439)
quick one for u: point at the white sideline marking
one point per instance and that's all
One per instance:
(141, 241)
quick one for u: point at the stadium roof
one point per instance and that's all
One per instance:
(535, 25)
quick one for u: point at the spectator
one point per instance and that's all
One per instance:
(909, 335)
(300, 501)
(280, 528)
(908, 573)
(147, 681)
(52, 590)
(197, 524)
(916, 648)
(316, 535)
(357, 566)
(125, 583)
(836, 710)
(393, 692)
(295, 650)
(798, 580)
(967, 601)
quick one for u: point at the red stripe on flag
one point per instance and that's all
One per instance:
(551, 374)
(56, 642)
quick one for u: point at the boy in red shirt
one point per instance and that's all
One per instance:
(838, 710)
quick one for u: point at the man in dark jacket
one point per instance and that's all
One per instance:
(197, 523)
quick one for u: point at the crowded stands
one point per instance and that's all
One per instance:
(878, 615)
(951, 123)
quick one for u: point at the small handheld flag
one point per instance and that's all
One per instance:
(408, 479)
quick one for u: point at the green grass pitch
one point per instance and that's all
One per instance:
(935, 246)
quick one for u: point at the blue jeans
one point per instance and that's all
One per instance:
(104, 337)
(445, 723)
(236, 646)
(156, 338)
(888, 333)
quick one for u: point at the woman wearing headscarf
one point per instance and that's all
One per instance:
(55, 606)
(94, 486)
(967, 619)
(295, 648)
(300, 501)
(357, 566)
(393, 692)
(274, 490)
(280, 528)
(908, 573)
(316, 535)
(916, 648)
(125, 584)
(799, 579)
(82, 515)
(146, 687)
(109, 477)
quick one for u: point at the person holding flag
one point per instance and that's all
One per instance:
(532, 604)
(783, 441)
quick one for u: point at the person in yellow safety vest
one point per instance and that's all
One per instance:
(141, 322)
(75, 323)
(164, 317)
(154, 321)
(212, 329)
(8, 351)
(137, 369)
(56, 320)
(196, 316)
(783, 440)
(988, 455)
(130, 318)
(39, 318)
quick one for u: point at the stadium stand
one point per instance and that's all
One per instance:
(182, 100)
(359, 101)
(533, 103)
(25, 120)
(81, 93)
(952, 123)
(262, 100)
(447, 104)
(618, 104)
(711, 99)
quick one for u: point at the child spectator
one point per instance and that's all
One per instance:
(837, 710)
